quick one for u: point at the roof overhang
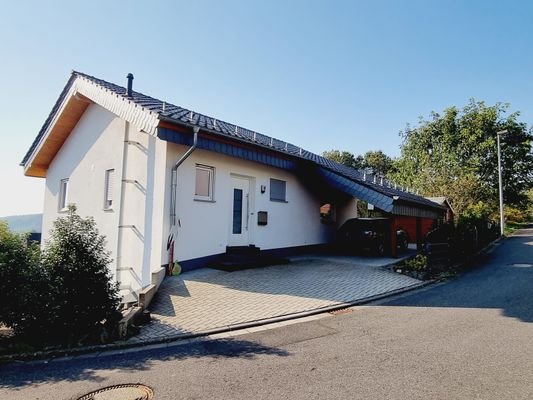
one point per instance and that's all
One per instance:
(149, 115)
(77, 95)
(357, 190)
(382, 201)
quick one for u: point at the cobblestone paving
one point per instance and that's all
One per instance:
(205, 299)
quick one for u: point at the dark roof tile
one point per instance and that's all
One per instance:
(181, 115)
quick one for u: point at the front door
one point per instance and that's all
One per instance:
(239, 234)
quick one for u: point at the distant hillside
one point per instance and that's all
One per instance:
(24, 223)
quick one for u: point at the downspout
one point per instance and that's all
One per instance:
(174, 178)
(122, 196)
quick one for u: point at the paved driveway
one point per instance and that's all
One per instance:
(206, 299)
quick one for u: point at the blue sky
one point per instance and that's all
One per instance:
(320, 74)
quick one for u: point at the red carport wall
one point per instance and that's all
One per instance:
(416, 227)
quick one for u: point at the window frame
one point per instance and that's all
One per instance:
(276, 199)
(108, 202)
(62, 205)
(210, 185)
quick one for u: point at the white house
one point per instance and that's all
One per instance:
(165, 183)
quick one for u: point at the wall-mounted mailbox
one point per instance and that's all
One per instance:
(262, 218)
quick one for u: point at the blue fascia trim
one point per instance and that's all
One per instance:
(226, 148)
(354, 189)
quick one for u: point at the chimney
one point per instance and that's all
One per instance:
(130, 84)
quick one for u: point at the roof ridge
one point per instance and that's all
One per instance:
(177, 114)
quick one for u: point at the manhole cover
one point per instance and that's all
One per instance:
(128, 391)
(522, 265)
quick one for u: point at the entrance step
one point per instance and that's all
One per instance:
(245, 257)
(243, 250)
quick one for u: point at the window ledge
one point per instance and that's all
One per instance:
(205, 200)
(279, 201)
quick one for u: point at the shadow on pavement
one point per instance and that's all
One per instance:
(501, 280)
(13, 376)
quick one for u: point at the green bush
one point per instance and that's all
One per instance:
(65, 295)
(418, 263)
(84, 294)
(477, 211)
(516, 215)
(24, 285)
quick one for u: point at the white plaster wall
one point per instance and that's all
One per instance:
(95, 145)
(346, 209)
(204, 226)
(143, 204)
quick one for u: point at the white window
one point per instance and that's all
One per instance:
(108, 189)
(278, 190)
(205, 177)
(63, 195)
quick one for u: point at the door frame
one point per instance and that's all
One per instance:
(250, 208)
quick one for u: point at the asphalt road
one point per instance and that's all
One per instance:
(470, 338)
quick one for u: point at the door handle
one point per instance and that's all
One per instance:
(247, 209)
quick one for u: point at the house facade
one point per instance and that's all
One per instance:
(165, 184)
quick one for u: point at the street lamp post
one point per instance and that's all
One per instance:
(502, 222)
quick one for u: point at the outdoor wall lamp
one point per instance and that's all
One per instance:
(263, 189)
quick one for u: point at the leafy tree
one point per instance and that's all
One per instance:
(455, 154)
(76, 259)
(378, 162)
(345, 158)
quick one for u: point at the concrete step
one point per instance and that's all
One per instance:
(237, 262)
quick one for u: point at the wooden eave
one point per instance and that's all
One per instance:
(58, 133)
(73, 102)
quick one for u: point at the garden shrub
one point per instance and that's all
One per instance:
(63, 295)
(84, 294)
(24, 285)
(515, 215)
(418, 263)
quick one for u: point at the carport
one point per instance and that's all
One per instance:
(409, 211)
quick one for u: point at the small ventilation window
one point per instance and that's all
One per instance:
(108, 191)
(63, 195)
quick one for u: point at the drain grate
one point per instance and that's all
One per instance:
(522, 265)
(127, 391)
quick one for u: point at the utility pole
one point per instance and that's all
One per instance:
(500, 183)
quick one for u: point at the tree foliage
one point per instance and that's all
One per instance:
(23, 284)
(455, 154)
(62, 295)
(377, 161)
(345, 158)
